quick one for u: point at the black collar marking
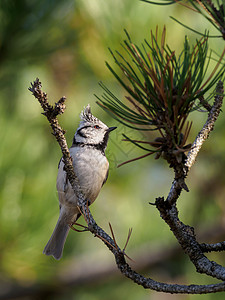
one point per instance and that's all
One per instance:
(80, 133)
(101, 146)
(94, 146)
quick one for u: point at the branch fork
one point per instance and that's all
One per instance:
(167, 208)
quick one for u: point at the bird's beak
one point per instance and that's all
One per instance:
(111, 129)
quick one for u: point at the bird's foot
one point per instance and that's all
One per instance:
(85, 228)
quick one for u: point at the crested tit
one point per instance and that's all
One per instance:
(91, 167)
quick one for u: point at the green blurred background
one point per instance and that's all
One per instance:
(65, 44)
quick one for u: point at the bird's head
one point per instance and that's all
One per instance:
(91, 130)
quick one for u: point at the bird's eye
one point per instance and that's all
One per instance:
(96, 127)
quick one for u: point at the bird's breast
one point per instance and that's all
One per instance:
(91, 167)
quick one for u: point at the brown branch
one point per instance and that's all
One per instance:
(85, 270)
(212, 247)
(200, 139)
(185, 235)
(204, 103)
(98, 231)
(208, 127)
(51, 114)
(148, 283)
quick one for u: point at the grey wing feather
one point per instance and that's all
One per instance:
(59, 162)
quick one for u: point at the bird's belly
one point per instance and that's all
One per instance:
(90, 168)
(91, 174)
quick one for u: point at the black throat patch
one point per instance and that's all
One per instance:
(100, 147)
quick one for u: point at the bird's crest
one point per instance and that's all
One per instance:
(87, 116)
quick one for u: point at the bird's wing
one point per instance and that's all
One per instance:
(59, 162)
(106, 177)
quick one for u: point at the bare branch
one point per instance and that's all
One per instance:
(200, 139)
(204, 103)
(51, 114)
(74, 274)
(148, 283)
(128, 238)
(208, 127)
(125, 269)
(187, 239)
(213, 247)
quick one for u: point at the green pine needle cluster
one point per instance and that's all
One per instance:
(162, 88)
(213, 11)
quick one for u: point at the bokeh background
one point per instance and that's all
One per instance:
(65, 44)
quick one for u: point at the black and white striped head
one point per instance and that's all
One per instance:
(91, 131)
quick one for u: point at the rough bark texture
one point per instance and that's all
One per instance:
(184, 234)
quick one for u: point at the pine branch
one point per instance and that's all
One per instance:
(170, 216)
(51, 114)
(185, 235)
(217, 247)
(200, 139)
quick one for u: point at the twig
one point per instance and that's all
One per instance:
(200, 139)
(204, 103)
(134, 159)
(212, 247)
(77, 230)
(99, 232)
(51, 114)
(208, 127)
(128, 238)
(74, 274)
(187, 239)
(114, 239)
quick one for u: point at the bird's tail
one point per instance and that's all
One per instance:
(56, 242)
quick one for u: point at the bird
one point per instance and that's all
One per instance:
(91, 168)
